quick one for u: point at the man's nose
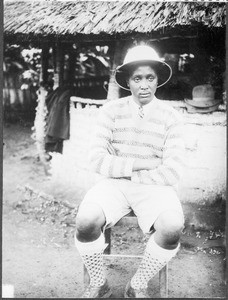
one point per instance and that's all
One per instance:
(144, 84)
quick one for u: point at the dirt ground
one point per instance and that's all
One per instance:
(38, 255)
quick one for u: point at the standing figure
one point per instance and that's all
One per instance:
(138, 149)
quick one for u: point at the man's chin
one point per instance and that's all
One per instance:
(145, 99)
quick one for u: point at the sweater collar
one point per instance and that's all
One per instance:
(147, 108)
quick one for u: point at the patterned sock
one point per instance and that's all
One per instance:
(154, 259)
(92, 256)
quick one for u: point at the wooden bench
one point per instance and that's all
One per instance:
(131, 220)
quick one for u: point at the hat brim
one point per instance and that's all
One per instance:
(163, 70)
(202, 110)
(201, 103)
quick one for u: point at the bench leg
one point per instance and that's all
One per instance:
(107, 235)
(163, 282)
(85, 276)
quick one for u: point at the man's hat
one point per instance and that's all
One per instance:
(203, 100)
(140, 55)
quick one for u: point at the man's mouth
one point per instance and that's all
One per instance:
(144, 95)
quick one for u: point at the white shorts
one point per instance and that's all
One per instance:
(117, 197)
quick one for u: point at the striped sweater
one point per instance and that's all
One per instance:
(157, 137)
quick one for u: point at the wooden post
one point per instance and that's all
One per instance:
(60, 62)
(58, 56)
(44, 63)
(55, 75)
(71, 69)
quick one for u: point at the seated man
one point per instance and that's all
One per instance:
(139, 149)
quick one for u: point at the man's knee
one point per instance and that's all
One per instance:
(170, 225)
(89, 221)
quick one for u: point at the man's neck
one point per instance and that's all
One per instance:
(144, 105)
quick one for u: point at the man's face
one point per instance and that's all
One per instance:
(143, 82)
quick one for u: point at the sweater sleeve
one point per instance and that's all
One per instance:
(100, 160)
(171, 167)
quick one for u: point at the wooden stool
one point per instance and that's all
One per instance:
(131, 220)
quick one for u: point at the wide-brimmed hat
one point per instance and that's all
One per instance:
(203, 100)
(139, 55)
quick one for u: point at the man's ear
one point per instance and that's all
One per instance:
(127, 81)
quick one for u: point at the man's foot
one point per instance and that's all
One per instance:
(130, 292)
(103, 291)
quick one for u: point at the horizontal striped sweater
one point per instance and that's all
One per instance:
(157, 137)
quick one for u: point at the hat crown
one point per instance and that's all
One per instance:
(203, 92)
(203, 100)
(141, 53)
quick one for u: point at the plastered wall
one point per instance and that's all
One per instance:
(204, 178)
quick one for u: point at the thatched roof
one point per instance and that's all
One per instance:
(106, 18)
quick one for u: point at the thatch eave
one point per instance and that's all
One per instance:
(181, 31)
(94, 20)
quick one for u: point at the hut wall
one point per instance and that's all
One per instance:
(71, 168)
(17, 99)
(204, 179)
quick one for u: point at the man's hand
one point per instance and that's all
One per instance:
(139, 164)
(143, 164)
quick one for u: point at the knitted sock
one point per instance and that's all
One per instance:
(154, 259)
(92, 256)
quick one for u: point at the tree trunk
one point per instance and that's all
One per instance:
(118, 52)
(113, 88)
